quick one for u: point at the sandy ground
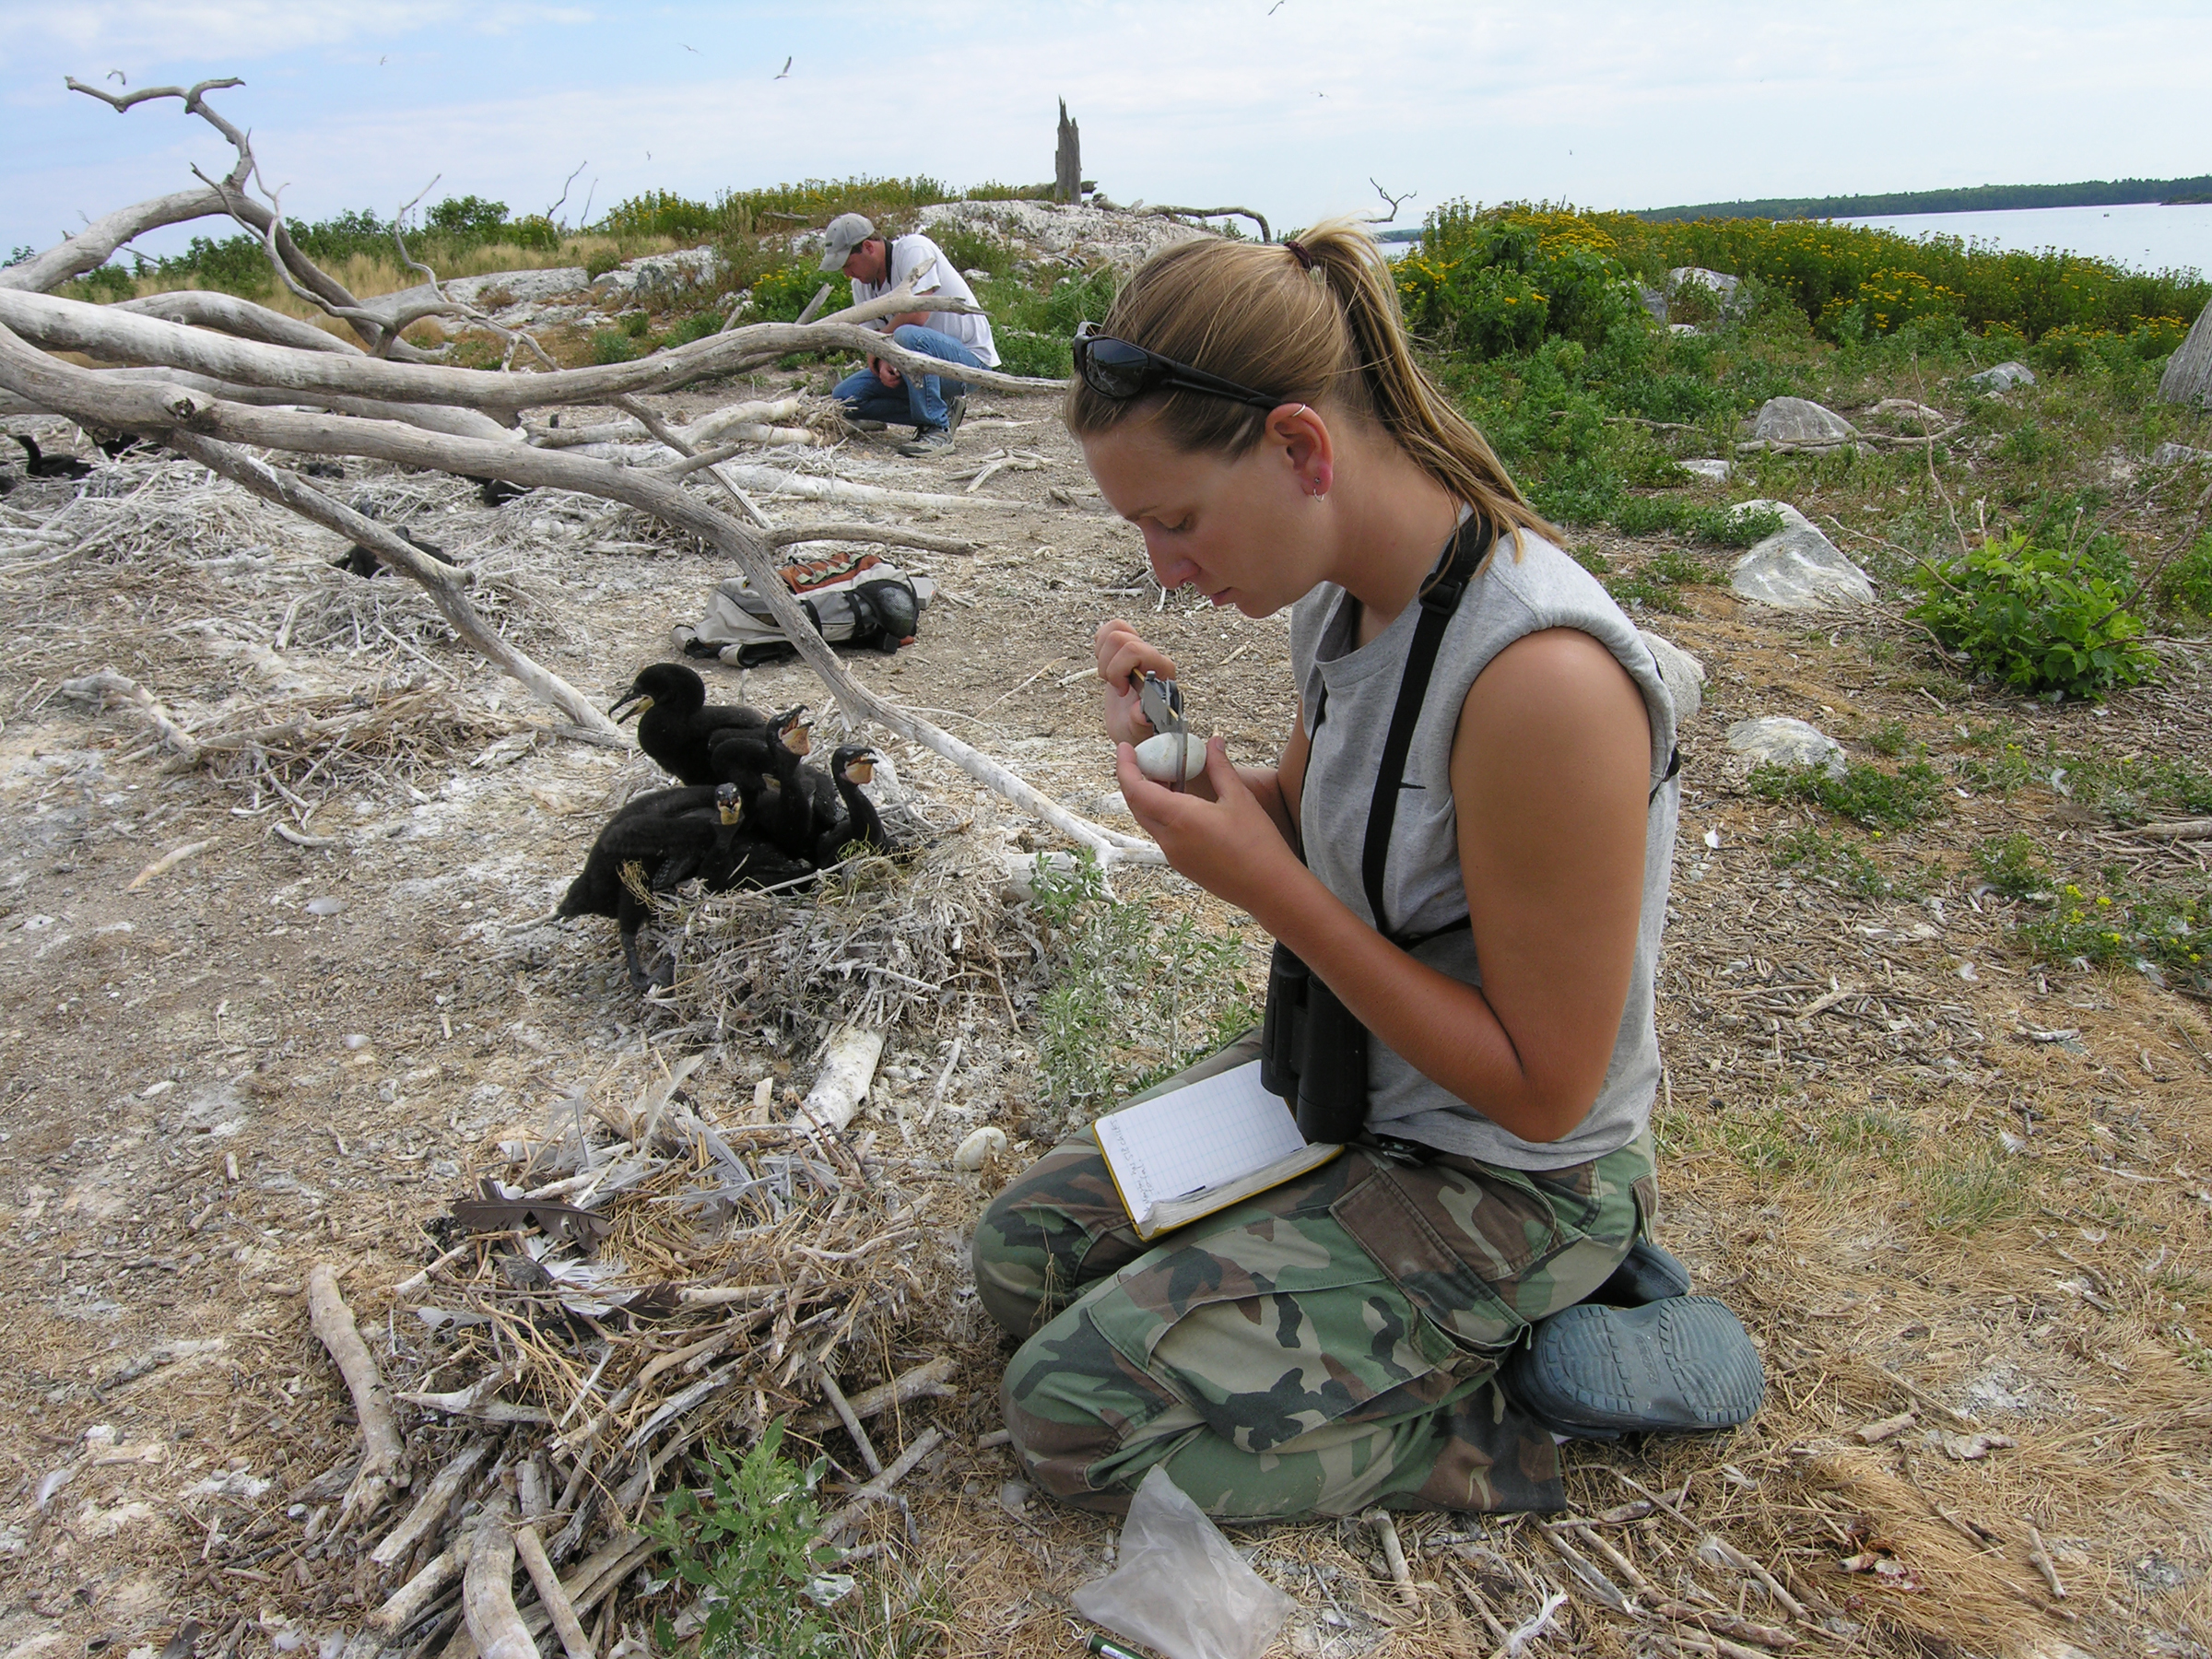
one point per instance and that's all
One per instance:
(268, 1055)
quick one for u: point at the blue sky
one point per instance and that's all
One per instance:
(1289, 108)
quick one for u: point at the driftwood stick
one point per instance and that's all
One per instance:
(1206, 213)
(928, 1378)
(408, 1603)
(227, 314)
(892, 536)
(1726, 1624)
(98, 687)
(381, 1449)
(2039, 1557)
(1581, 1573)
(846, 1415)
(880, 1488)
(429, 1509)
(101, 332)
(1394, 1555)
(550, 1594)
(488, 1588)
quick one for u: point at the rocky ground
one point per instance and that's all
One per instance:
(1936, 1177)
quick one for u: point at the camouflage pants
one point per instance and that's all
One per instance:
(1322, 1348)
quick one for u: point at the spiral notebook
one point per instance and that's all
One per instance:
(1207, 1145)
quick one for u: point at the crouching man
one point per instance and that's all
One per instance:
(879, 394)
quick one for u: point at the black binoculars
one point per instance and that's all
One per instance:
(1312, 1052)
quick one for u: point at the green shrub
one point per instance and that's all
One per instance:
(782, 294)
(2126, 926)
(637, 325)
(613, 346)
(1889, 739)
(1835, 862)
(697, 327)
(970, 249)
(600, 262)
(2033, 619)
(1021, 352)
(2014, 866)
(749, 1539)
(105, 285)
(1865, 795)
(2184, 587)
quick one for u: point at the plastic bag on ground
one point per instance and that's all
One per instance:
(1179, 1588)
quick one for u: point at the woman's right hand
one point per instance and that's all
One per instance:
(1123, 660)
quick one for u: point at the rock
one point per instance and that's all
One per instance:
(1802, 424)
(662, 273)
(2177, 454)
(1654, 302)
(1712, 471)
(1724, 286)
(976, 1151)
(518, 285)
(1797, 568)
(1912, 414)
(1684, 675)
(1063, 234)
(1778, 740)
(2003, 378)
(1683, 328)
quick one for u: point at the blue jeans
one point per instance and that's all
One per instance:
(919, 399)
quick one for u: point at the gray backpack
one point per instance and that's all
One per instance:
(854, 598)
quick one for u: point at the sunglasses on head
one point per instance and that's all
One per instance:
(1121, 370)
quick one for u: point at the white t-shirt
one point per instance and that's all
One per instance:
(909, 253)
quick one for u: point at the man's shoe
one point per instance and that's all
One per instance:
(955, 411)
(934, 441)
(1683, 1365)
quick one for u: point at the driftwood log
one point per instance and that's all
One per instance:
(196, 371)
(2188, 377)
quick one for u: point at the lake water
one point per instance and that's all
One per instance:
(2144, 235)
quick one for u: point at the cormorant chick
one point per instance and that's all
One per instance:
(39, 465)
(851, 766)
(359, 561)
(766, 764)
(496, 491)
(676, 727)
(747, 854)
(656, 841)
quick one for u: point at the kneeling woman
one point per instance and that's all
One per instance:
(1336, 1342)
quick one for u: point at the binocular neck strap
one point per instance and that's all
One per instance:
(1439, 601)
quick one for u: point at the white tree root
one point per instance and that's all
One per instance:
(405, 1604)
(550, 1596)
(98, 687)
(488, 1588)
(381, 1449)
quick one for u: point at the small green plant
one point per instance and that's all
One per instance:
(1135, 998)
(782, 294)
(2034, 618)
(613, 346)
(697, 327)
(2184, 587)
(1865, 795)
(2122, 925)
(601, 262)
(2013, 866)
(749, 1542)
(1891, 738)
(637, 325)
(1962, 1195)
(1835, 862)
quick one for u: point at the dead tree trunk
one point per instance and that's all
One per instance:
(1067, 164)
(2188, 377)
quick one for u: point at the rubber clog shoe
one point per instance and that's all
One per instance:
(1681, 1366)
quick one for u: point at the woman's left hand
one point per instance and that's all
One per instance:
(1227, 846)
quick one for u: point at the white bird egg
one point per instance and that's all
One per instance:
(1156, 757)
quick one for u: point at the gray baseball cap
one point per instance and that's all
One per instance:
(846, 232)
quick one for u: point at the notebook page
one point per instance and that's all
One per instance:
(1203, 1135)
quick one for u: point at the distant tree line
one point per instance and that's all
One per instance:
(1979, 199)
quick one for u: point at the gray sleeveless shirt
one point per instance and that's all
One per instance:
(1354, 691)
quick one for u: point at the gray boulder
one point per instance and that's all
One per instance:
(1802, 424)
(1777, 740)
(1724, 286)
(2003, 378)
(1712, 471)
(519, 286)
(1653, 301)
(662, 273)
(2177, 454)
(1684, 675)
(1797, 568)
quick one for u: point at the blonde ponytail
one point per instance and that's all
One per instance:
(1314, 323)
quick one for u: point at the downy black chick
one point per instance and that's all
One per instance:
(789, 811)
(677, 726)
(747, 854)
(649, 845)
(359, 561)
(496, 491)
(851, 766)
(39, 465)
